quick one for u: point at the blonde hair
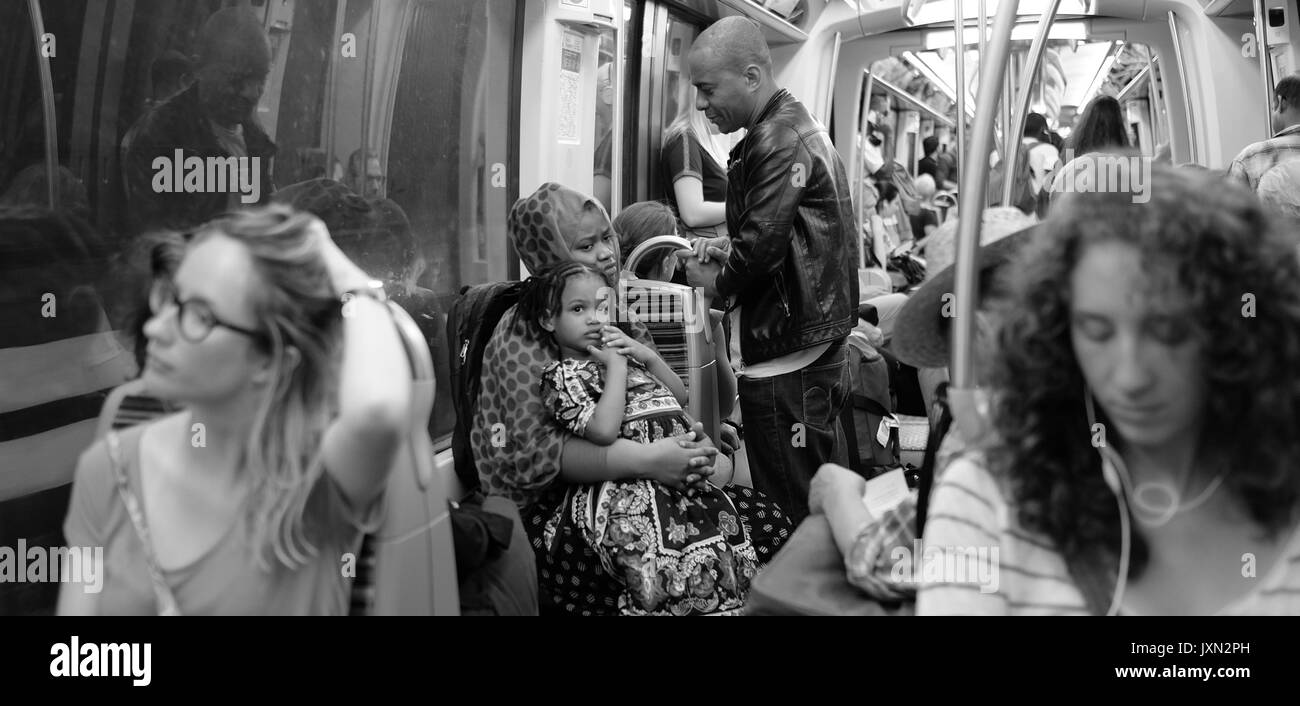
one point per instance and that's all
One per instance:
(296, 306)
(691, 121)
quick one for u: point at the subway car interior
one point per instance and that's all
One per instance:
(413, 127)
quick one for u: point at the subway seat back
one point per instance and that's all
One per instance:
(414, 562)
(677, 317)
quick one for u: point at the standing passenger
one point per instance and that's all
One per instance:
(789, 280)
(214, 119)
(694, 160)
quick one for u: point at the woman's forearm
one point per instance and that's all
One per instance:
(585, 462)
(691, 206)
(374, 382)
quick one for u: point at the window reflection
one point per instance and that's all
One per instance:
(391, 120)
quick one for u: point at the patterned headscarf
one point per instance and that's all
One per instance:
(538, 222)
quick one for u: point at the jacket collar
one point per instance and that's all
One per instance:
(1287, 131)
(778, 100)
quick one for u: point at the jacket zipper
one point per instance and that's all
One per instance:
(780, 292)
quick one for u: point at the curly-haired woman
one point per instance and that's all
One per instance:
(1148, 396)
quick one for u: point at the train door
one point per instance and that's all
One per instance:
(572, 59)
(665, 91)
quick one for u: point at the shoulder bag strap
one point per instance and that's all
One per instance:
(167, 604)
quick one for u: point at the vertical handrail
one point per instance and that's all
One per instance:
(1026, 86)
(47, 106)
(984, 22)
(331, 93)
(368, 94)
(959, 32)
(1265, 66)
(856, 168)
(972, 193)
(862, 175)
(1185, 86)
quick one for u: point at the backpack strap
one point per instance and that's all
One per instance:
(167, 604)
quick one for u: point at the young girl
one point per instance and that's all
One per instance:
(677, 550)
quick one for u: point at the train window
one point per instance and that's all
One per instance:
(57, 354)
(602, 167)
(448, 152)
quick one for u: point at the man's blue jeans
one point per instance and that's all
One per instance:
(792, 427)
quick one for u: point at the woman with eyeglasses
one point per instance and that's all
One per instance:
(295, 390)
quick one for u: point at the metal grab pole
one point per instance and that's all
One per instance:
(1185, 87)
(984, 29)
(1265, 67)
(959, 31)
(47, 106)
(1022, 98)
(972, 193)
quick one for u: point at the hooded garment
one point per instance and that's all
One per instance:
(517, 447)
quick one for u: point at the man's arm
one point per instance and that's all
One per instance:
(778, 169)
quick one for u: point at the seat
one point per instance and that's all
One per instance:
(678, 320)
(414, 562)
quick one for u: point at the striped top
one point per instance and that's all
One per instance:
(969, 519)
(1250, 165)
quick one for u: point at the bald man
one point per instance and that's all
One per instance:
(789, 279)
(213, 119)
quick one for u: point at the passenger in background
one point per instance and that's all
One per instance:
(1148, 348)
(928, 164)
(1100, 129)
(170, 73)
(370, 182)
(376, 235)
(926, 218)
(214, 119)
(603, 159)
(791, 274)
(896, 226)
(1043, 157)
(30, 187)
(635, 225)
(295, 406)
(524, 456)
(694, 162)
(867, 542)
(1284, 145)
(947, 178)
(1279, 190)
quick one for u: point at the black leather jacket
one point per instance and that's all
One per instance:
(794, 250)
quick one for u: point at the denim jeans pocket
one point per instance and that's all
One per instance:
(825, 389)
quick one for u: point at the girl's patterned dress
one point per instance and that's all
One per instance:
(678, 552)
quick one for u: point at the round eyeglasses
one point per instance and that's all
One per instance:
(194, 317)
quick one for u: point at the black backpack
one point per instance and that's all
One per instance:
(470, 322)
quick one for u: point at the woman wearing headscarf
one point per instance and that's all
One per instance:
(523, 455)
